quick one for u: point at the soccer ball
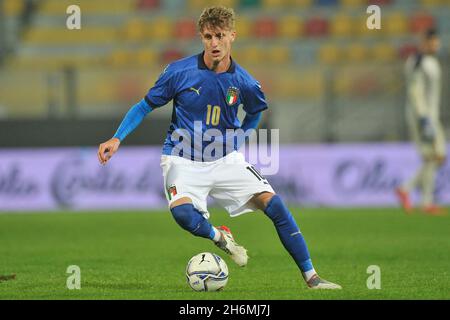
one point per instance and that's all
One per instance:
(207, 271)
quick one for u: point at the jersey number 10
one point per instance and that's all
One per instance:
(213, 115)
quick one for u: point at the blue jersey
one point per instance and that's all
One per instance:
(204, 100)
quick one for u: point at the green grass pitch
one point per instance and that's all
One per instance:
(143, 255)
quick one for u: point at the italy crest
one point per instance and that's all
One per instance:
(232, 95)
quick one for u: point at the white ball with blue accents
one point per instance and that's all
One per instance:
(207, 271)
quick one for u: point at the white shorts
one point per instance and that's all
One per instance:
(230, 181)
(436, 149)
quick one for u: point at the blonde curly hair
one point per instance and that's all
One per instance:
(216, 17)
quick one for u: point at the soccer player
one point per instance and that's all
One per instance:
(206, 90)
(423, 76)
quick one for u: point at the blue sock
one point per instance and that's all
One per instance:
(289, 233)
(190, 219)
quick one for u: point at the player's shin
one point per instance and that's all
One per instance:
(290, 235)
(191, 220)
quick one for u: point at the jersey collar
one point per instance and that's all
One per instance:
(202, 65)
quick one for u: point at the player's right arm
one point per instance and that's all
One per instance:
(131, 120)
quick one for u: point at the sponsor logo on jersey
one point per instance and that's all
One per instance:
(232, 95)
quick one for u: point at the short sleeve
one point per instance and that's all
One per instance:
(254, 99)
(164, 89)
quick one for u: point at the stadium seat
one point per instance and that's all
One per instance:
(383, 52)
(430, 3)
(243, 28)
(312, 85)
(421, 21)
(356, 53)
(134, 30)
(406, 50)
(198, 5)
(278, 55)
(326, 2)
(120, 58)
(13, 8)
(273, 4)
(170, 54)
(63, 36)
(360, 28)
(329, 54)
(250, 3)
(316, 27)
(160, 29)
(98, 7)
(302, 4)
(353, 3)
(287, 85)
(265, 27)
(251, 54)
(185, 29)
(380, 2)
(341, 26)
(290, 27)
(147, 58)
(395, 24)
(148, 4)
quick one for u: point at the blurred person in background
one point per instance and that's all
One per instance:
(423, 87)
(195, 84)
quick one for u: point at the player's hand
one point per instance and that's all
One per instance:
(107, 149)
(426, 129)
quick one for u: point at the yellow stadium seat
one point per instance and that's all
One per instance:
(251, 55)
(383, 52)
(243, 27)
(287, 85)
(13, 7)
(356, 53)
(312, 85)
(395, 24)
(120, 58)
(341, 26)
(147, 57)
(300, 3)
(290, 27)
(196, 5)
(86, 35)
(360, 27)
(353, 3)
(134, 30)
(330, 54)
(343, 86)
(433, 3)
(278, 55)
(160, 29)
(58, 7)
(273, 4)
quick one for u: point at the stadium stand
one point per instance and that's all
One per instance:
(306, 47)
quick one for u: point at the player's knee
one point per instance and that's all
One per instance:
(186, 216)
(277, 210)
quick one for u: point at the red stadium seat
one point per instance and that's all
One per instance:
(379, 2)
(421, 21)
(406, 50)
(148, 4)
(316, 27)
(265, 27)
(185, 29)
(170, 55)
